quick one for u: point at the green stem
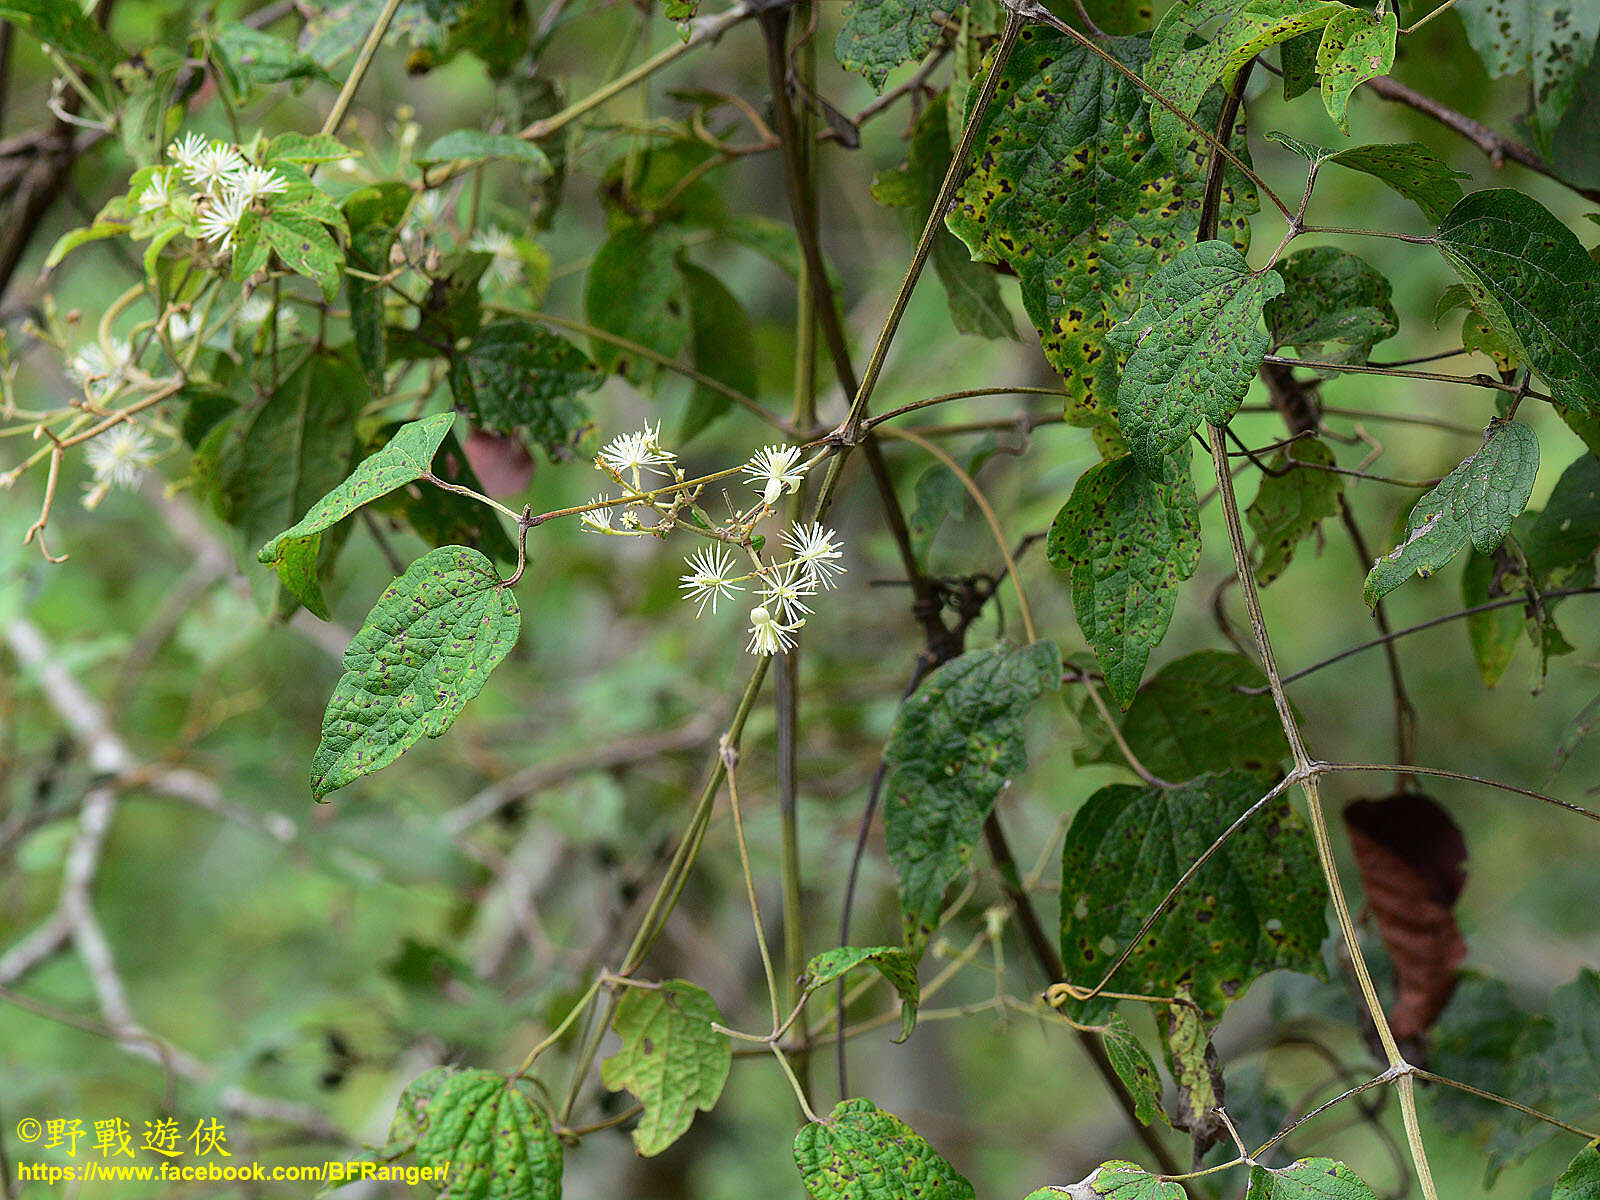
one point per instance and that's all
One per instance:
(369, 48)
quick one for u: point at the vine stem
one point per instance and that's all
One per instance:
(369, 49)
(730, 761)
(667, 892)
(930, 230)
(1305, 768)
(706, 29)
(798, 163)
(1480, 380)
(1304, 765)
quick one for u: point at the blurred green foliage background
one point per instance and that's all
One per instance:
(376, 941)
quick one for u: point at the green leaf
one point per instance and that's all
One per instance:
(1557, 1069)
(493, 30)
(302, 243)
(1068, 192)
(471, 145)
(1562, 540)
(1334, 308)
(1134, 1066)
(276, 458)
(1493, 634)
(251, 58)
(879, 35)
(971, 288)
(893, 963)
(722, 344)
(1410, 168)
(636, 291)
(1356, 46)
(73, 238)
(297, 568)
(407, 457)
(306, 148)
(373, 215)
(665, 184)
(671, 1059)
(1476, 502)
(1192, 348)
(956, 743)
(1476, 1041)
(940, 494)
(860, 1152)
(1256, 906)
(1298, 57)
(1115, 1181)
(496, 1142)
(411, 1112)
(1574, 148)
(1549, 41)
(63, 26)
(1308, 1179)
(516, 374)
(1191, 718)
(1537, 285)
(1581, 1180)
(1184, 73)
(1288, 508)
(1128, 539)
(426, 648)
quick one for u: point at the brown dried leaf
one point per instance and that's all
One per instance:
(1412, 860)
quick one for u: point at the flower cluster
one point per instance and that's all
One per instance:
(224, 183)
(785, 586)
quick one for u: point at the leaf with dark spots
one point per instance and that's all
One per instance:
(860, 1152)
(426, 649)
(496, 1142)
(1194, 716)
(679, 1019)
(1068, 189)
(955, 746)
(1412, 858)
(1127, 539)
(1197, 1071)
(1256, 905)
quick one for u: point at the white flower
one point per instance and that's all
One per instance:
(215, 167)
(428, 208)
(182, 326)
(816, 549)
(597, 520)
(120, 456)
(768, 635)
(785, 592)
(633, 452)
(157, 193)
(101, 368)
(775, 470)
(221, 218)
(255, 310)
(186, 154)
(505, 266)
(707, 579)
(252, 183)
